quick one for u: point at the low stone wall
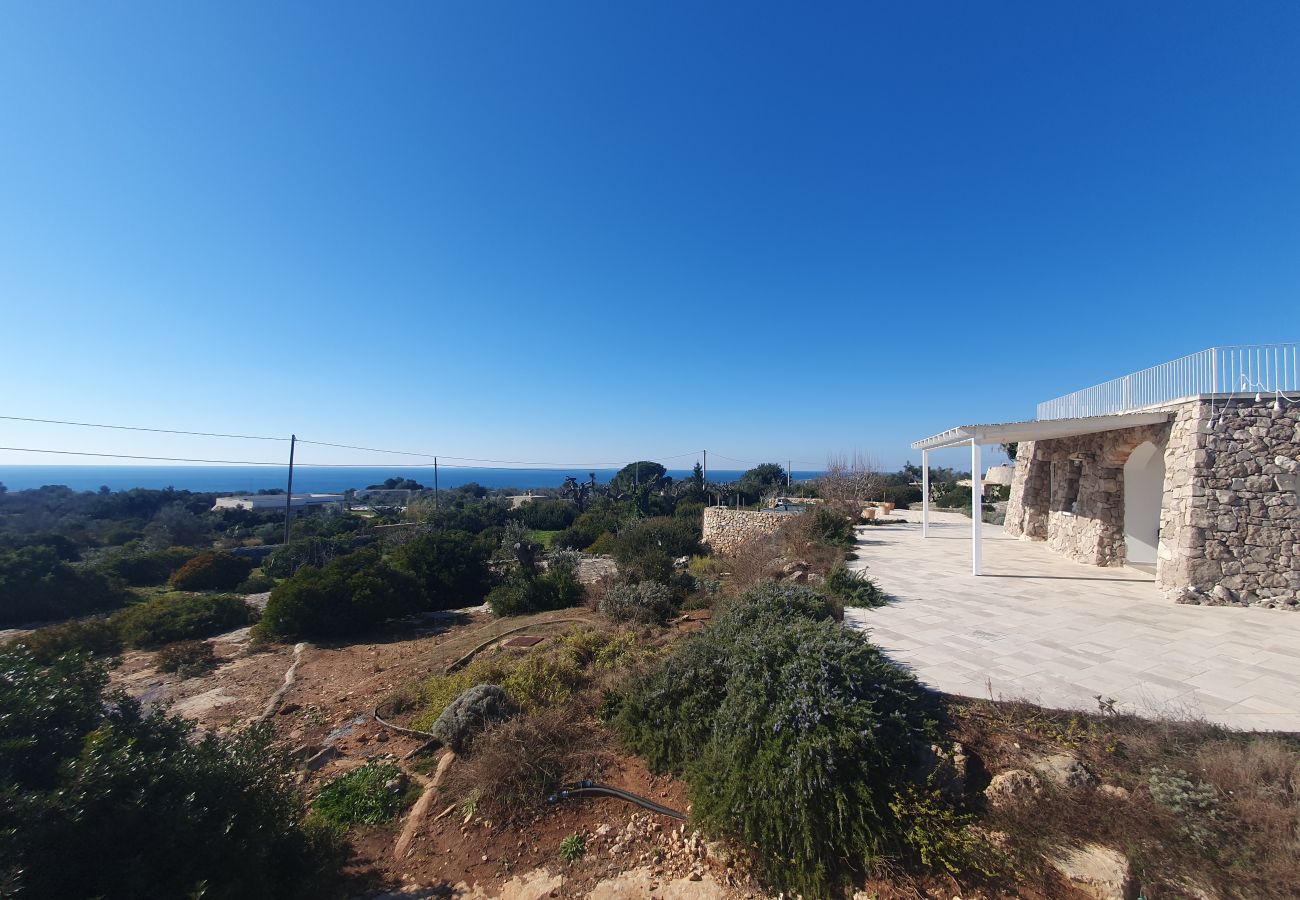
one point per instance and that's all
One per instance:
(726, 529)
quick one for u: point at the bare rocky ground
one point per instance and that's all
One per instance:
(325, 715)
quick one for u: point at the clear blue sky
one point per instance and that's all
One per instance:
(588, 232)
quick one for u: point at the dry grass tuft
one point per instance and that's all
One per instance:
(1208, 809)
(763, 558)
(512, 767)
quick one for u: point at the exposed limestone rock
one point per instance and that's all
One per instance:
(636, 884)
(1011, 788)
(1063, 770)
(1115, 792)
(1097, 871)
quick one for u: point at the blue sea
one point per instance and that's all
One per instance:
(306, 479)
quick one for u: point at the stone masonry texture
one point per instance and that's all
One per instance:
(726, 529)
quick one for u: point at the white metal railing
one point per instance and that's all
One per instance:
(1248, 368)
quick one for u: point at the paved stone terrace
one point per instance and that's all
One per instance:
(1039, 627)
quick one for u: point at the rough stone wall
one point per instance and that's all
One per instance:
(1031, 480)
(726, 529)
(1231, 528)
(1089, 469)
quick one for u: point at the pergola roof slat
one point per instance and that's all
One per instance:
(1038, 430)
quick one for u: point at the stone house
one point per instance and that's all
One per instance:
(1169, 470)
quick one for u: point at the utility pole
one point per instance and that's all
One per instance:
(706, 468)
(288, 497)
(435, 484)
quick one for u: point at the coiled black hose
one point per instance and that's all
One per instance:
(586, 788)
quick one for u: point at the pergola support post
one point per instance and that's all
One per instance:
(925, 493)
(976, 510)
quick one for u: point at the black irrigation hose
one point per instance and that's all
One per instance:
(398, 728)
(492, 640)
(584, 788)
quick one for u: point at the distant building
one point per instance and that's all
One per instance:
(271, 502)
(518, 500)
(999, 475)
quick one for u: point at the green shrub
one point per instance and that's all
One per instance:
(545, 539)
(587, 529)
(186, 658)
(691, 512)
(853, 589)
(36, 585)
(165, 813)
(213, 571)
(548, 515)
(518, 596)
(450, 566)
(603, 545)
(308, 551)
(168, 618)
(556, 588)
(562, 578)
(98, 637)
(664, 536)
(938, 834)
(147, 568)
(902, 495)
(952, 495)
(370, 795)
(830, 528)
(1195, 803)
(644, 601)
(257, 583)
(793, 733)
(772, 603)
(543, 679)
(573, 848)
(350, 594)
(536, 679)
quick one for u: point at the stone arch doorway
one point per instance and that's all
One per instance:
(1144, 489)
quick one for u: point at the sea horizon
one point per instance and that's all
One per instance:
(309, 479)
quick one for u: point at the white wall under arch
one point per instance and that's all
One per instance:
(1144, 486)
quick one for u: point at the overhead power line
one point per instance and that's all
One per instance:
(443, 459)
(223, 462)
(253, 462)
(245, 437)
(477, 459)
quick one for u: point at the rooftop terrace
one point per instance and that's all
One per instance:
(1266, 369)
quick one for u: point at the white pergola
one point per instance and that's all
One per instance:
(979, 435)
